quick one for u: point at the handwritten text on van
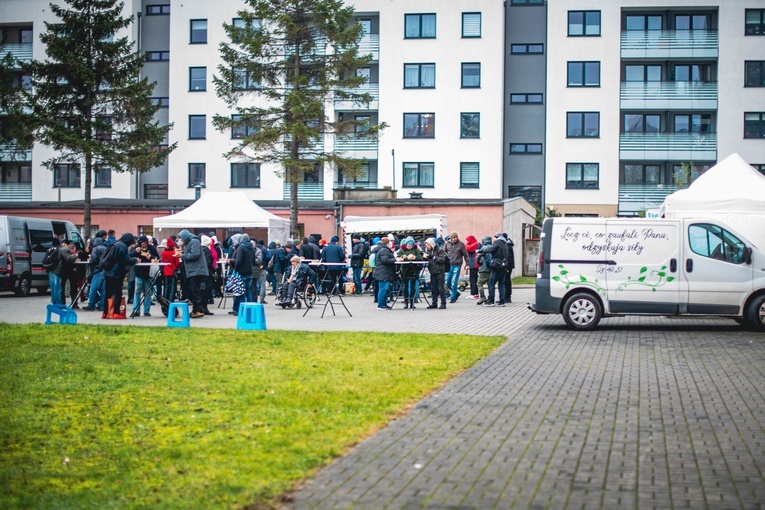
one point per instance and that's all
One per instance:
(630, 240)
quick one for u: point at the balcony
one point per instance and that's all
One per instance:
(306, 191)
(668, 95)
(20, 51)
(373, 89)
(639, 197)
(370, 44)
(356, 148)
(16, 192)
(13, 152)
(668, 146)
(669, 44)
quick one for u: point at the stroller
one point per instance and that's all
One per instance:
(303, 295)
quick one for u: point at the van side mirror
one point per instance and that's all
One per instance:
(747, 255)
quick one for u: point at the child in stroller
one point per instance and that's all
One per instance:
(298, 285)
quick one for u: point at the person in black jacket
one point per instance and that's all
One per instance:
(498, 266)
(358, 254)
(437, 264)
(510, 267)
(385, 272)
(242, 262)
(116, 274)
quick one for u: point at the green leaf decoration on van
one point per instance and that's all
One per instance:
(563, 277)
(651, 278)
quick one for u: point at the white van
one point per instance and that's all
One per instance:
(598, 267)
(23, 243)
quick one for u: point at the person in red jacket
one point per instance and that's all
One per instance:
(170, 256)
(471, 247)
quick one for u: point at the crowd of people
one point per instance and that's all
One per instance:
(199, 268)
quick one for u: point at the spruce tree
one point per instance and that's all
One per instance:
(89, 101)
(15, 140)
(286, 60)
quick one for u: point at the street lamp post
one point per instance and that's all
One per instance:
(198, 190)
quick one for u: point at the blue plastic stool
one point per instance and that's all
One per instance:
(65, 314)
(183, 321)
(251, 316)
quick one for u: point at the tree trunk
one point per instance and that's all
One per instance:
(294, 209)
(86, 202)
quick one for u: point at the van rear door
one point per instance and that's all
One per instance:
(644, 275)
(719, 279)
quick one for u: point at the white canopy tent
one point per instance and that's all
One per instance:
(731, 191)
(226, 209)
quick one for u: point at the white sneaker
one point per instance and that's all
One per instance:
(472, 297)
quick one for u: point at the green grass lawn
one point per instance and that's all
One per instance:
(104, 416)
(524, 280)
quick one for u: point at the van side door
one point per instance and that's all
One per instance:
(644, 275)
(719, 279)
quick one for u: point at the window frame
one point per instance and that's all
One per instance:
(582, 180)
(163, 10)
(163, 56)
(249, 82)
(419, 67)
(584, 24)
(527, 47)
(195, 117)
(203, 168)
(97, 170)
(761, 64)
(582, 124)
(191, 79)
(526, 148)
(193, 31)
(725, 238)
(526, 97)
(248, 130)
(420, 125)
(644, 117)
(255, 166)
(162, 102)
(584, 74)
(419, 171)
(462, 75)
(760, 126)
(527, 3)
(463, 136)
(420, 16)
(480, 25)
(757, 28)
(469, 185)
(73, 175)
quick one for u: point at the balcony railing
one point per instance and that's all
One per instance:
(21, 51)
(639, 197)
(370, 44)
(373, 89)
(12, 152)
(355, 145)
(668, 95)
(669, 44)
(306, 191)
(15, 192)
(668, 146)
(356, 184)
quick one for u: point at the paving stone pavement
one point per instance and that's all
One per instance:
(639, 413)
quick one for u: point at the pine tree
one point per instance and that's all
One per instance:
(89, 102)
(14, 135)
(292, 57)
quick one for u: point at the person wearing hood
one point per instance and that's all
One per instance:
(482, 257)
(242, 261)
(333, 253)
(316, 251)
(145, 252)
(171, 257)
(471, 247)
(510, 267)
(358, 254)
(281, 262)
(207, 282)
(116, 274)
(97, 282)
(270, 254)
(498, 250)
(437, 263)
(385, 272)
(372, 260)
(195, 271)
(410, 273)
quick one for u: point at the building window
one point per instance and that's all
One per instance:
(197, 79)
(162, 102)
(419, 26)
(755, 22)
(692, 22)
(754, 73)
(246, 80)
(527, 2)
(640, 123)
(470, 125)
(103, 176)
(419, 76)
(197, 127)
(469, 175)
(256, 24)
(699, 123)
(759, 167)
(583, 23)
(157, 10)
(471, 24)
(582, 125)
(584, 74)
(198, 29)
(526, 148)
(525, 98)
(155, 191)
(245, 175)
(241, 129)
(642, 175)
(197, 174)
(754, 125)
(471, 75)
(66, 176)
(157, 56)
(582, 175)
(641, 22)
(362, 179)
(419, 125)
(419, 175)
(642, 73)
(527, 49)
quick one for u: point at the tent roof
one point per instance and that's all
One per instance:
(221, 209)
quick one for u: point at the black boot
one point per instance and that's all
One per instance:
(443, 305)
(432, 306)
(406, 304)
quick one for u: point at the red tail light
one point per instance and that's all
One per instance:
(9, 264)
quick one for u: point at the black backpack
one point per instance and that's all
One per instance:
(50, 260)
(108, 259)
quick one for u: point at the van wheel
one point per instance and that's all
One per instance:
(582, 311)
(756, 315)
(25, 286)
